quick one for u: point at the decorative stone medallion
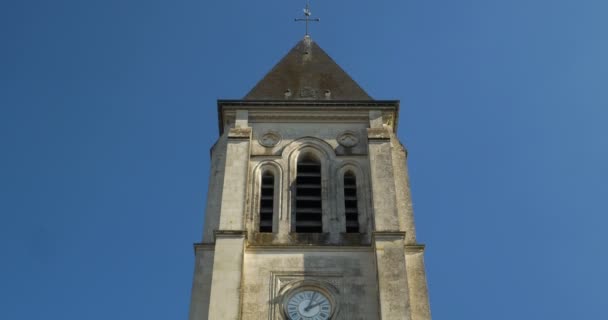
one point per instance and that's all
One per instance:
(269, 139)
(348, 139)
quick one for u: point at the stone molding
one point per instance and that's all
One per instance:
(239, 133)
(302, 115)
(388, 235)
(307, 248)
(262, 157)
(290, 248)
(294, 103)
(382, 134)
(414, 248)
(308, 111)
(229, 234)
(203, 247)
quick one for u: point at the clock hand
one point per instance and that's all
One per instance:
(311, 300)
(312, 306)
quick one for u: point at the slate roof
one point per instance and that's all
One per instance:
(307, 73)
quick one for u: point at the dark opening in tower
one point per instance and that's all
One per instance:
(309, 206)
(267, 202)
(350, 203)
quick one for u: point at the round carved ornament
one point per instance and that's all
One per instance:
(348, 139)
(269, 139)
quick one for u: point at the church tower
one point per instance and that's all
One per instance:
(308, 214)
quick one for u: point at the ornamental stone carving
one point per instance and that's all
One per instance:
(269, 139)
(348, 139)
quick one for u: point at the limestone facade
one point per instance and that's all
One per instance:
(375, 273)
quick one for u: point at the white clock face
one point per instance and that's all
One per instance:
(308, 305)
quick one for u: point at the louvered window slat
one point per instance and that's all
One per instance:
(309, 206)
(350, 203)
(266, 202)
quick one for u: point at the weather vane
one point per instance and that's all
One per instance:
(307, 17)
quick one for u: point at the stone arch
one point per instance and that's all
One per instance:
(363, 197)
(326, 156)
(258, 171)
(320, 147)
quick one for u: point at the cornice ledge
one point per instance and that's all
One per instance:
(388, 235)
(199, 246)
(229, 234)
(346, 103)
(382, 134)
(358, 105)
(239, 133)
(303, 115)
(312, 248)
(414, 248)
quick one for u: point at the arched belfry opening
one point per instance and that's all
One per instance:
(308, 195)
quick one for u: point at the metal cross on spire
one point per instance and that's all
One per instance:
(307, 17)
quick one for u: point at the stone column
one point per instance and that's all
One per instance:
(416, 277)
(389, 239)
(236, 175)
(225, 301)
(402, 188)
(201, 286)
(382, 180)
(392, 282)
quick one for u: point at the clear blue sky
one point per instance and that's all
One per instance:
(107, 114)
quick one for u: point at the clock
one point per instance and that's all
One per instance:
(308, 304)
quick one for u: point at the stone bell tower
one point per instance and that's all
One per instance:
(309, 213)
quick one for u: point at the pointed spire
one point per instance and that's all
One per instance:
(307, 73)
